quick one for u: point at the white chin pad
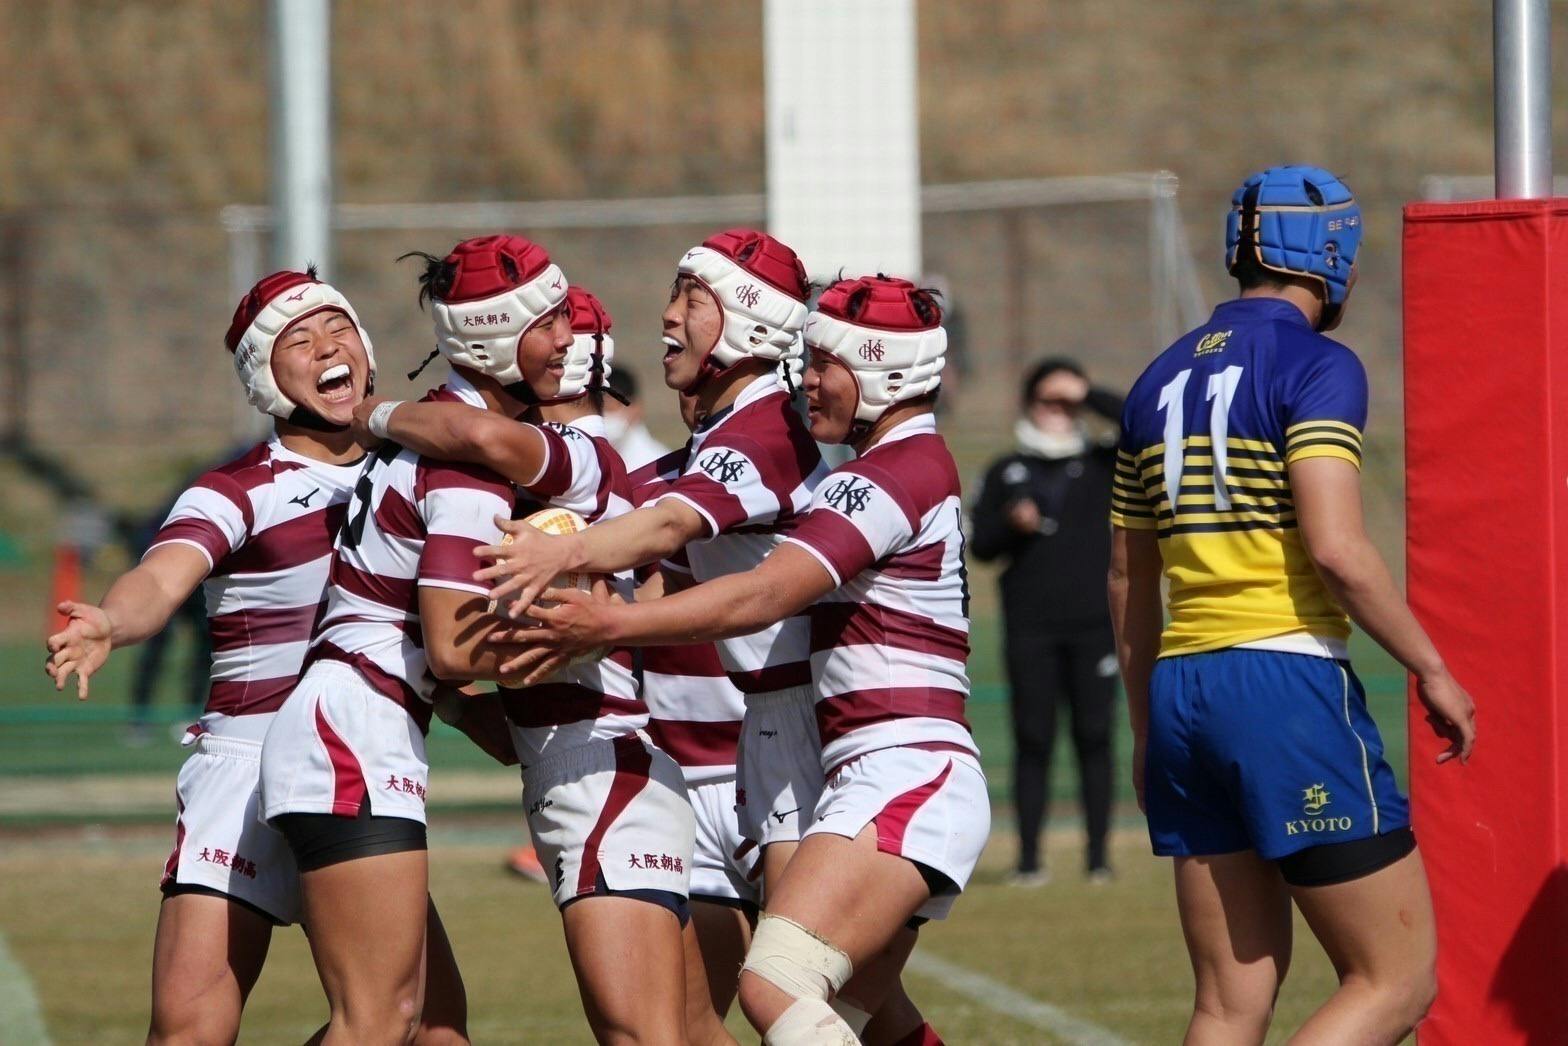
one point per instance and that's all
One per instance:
(810, 1022)
(796, 961)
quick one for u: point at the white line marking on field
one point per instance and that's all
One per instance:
(20, 1014)
(999, 997)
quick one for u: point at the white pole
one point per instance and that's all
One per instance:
(1521, 98)
(301, 97)
(843, 144)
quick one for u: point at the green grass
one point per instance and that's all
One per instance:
(78, 908)
(78, 902)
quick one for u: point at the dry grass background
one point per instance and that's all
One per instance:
(125, 126)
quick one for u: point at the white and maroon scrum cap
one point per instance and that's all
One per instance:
(888, 332)
(275, 304)
(588, 360)
(761, 287)
(492, 289)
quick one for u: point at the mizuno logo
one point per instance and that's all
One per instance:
(303, 501)
(780, 816)
(297, 297)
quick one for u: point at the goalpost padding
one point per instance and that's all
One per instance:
(1486, 448)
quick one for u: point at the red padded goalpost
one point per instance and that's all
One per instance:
(1486, 448)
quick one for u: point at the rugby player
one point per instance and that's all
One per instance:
(606, 808)
(1260, 770)
(257, 534)
(735, 312)
(877, 564)
(344, 774)
(696, 715)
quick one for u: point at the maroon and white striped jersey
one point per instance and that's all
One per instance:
(695, 710)
(749, 475)
(412, 521)
(888, 646)
(583, 473)
(265, 522)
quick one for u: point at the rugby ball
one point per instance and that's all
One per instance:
(555, 521)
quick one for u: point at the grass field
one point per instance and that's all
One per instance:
(84, 828)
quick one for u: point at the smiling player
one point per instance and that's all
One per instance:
(606, 808)
(258, 532)
(877, 565)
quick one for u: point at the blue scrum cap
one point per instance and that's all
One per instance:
(1297, 220)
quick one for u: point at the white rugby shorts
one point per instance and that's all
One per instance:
(614, 808)
(338, 741)
(717, 874)
(218, 841)
(930, 806)
(778, 766)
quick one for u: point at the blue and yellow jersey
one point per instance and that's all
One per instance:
(1227, 408)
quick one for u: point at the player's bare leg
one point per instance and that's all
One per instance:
(895, 1022)
(444, 1018)
(366, 920)
(1379, 933)
(715, 942)
(849, 894)
(206, 958)
(775, 857)
(1235, 915)
(630, 969)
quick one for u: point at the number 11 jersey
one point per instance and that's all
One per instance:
(1227, 408)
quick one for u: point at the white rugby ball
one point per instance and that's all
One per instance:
(556, 521)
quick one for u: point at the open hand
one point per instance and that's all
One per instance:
(81, 647)
(524, 566)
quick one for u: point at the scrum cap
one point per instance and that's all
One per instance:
(588, 360)
(273, 305)
(761, 288)
(1298, 220)
(489, 291)
(888, 332)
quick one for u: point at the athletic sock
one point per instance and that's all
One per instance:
(925, 1035)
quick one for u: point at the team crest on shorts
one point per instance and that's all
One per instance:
(1313, 799)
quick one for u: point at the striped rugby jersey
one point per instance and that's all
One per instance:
(890, 643)
(750, 472)
(265, 522)
(582, 472)
(696, 711)
(412, 522)
(1227, 408)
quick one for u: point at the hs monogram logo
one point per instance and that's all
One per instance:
(871, 350)
(748, 295)
(847, 497)
(721, 465)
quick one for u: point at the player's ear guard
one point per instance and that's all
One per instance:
(1302, 221)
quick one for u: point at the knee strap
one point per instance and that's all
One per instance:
(796, 961)
(809, 1022)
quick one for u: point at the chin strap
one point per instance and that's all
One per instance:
(417, 371)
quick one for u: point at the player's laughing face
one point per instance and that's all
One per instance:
(319, 362)
(831, 396)
(693, 321)
(541, 351)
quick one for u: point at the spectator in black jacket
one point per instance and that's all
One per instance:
(1045, 509)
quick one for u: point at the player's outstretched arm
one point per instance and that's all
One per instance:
(1327, 493)
(458, 432)
(1133, 584)
(533, 559)
(137, 605)
(786, 583)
